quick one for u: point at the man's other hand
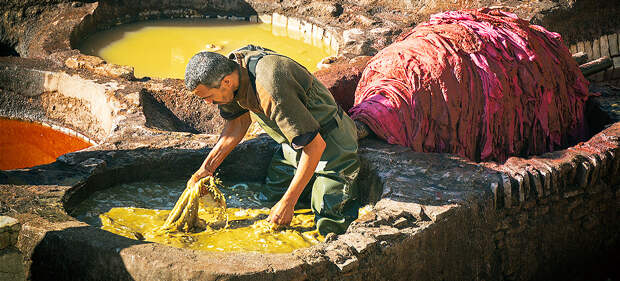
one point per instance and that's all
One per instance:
(282, 212)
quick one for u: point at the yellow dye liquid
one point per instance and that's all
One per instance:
(247, 230)
(139, 211)
(162, 48)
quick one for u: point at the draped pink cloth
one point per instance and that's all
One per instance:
(482, 84)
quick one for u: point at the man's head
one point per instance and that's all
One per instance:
(212, 77)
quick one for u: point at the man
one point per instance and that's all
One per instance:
(318, 140)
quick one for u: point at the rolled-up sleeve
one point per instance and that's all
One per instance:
(231, 110)
(281, 99)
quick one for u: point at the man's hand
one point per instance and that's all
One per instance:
(282, 212)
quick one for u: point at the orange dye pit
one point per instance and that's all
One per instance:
(26, 144)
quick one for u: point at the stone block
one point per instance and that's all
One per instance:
(393, 210)
(293, 24)
(357, 241)
(9, 231)
(507, 188)
(306, 29)
(497, 192)
(581, 47)
(536, 185)
(583, 172)
(279, 20)
(573, 48)
(235, 18)
(264, 18)
(334, 44)
(353, 35)
(604, 41)
(613, 44)
(616, 61)
(327, 38)
(436, 213)
(588, 49)
(596, 49)
(317, 33)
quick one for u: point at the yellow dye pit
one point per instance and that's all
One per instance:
(247, 230)
(139, 211)
(162, 48)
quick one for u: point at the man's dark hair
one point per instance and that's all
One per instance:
(209, 69)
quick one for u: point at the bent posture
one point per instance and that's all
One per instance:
(317, 159)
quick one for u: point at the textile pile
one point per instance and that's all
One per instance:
(482, 84)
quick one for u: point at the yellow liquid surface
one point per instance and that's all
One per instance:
(162, 48)
(247, 230)
(138, 210)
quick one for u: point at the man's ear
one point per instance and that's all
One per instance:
(227, 80)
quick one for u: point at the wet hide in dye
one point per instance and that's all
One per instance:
(482, 84)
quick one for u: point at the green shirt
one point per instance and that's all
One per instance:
(289, 102)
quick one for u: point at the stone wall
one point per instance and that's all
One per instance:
(560, 206)
(605, 46)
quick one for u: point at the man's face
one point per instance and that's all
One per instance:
(222, 95)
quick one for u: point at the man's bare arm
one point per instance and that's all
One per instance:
(233, 132)
(282, 212)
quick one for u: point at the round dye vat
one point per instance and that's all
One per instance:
(162, 48)
(26, 144)
(136, 210)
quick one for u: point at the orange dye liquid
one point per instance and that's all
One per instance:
(26, 144)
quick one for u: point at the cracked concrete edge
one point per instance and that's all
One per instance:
(567, 172)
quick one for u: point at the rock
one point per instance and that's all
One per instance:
(9, 231)
(100, 67)
(352, 36)
(327, 8)
(83, 62)
(341, 79)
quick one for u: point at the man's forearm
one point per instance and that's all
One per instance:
(232, 134)
(310, 158)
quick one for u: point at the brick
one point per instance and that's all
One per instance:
(581, 47)
(264, 18)
(507, 188)
(535, 182)
(294, 24)
(613, 44)
(588, 49)
(596, 49)
(604, 41)
(279, 20)
(573, 48)
(616, 61)
(317, 32)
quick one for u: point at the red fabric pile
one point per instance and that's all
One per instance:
(482, 84)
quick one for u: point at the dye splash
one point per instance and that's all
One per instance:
(138, 211)
(163, 48)
(27, 144)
